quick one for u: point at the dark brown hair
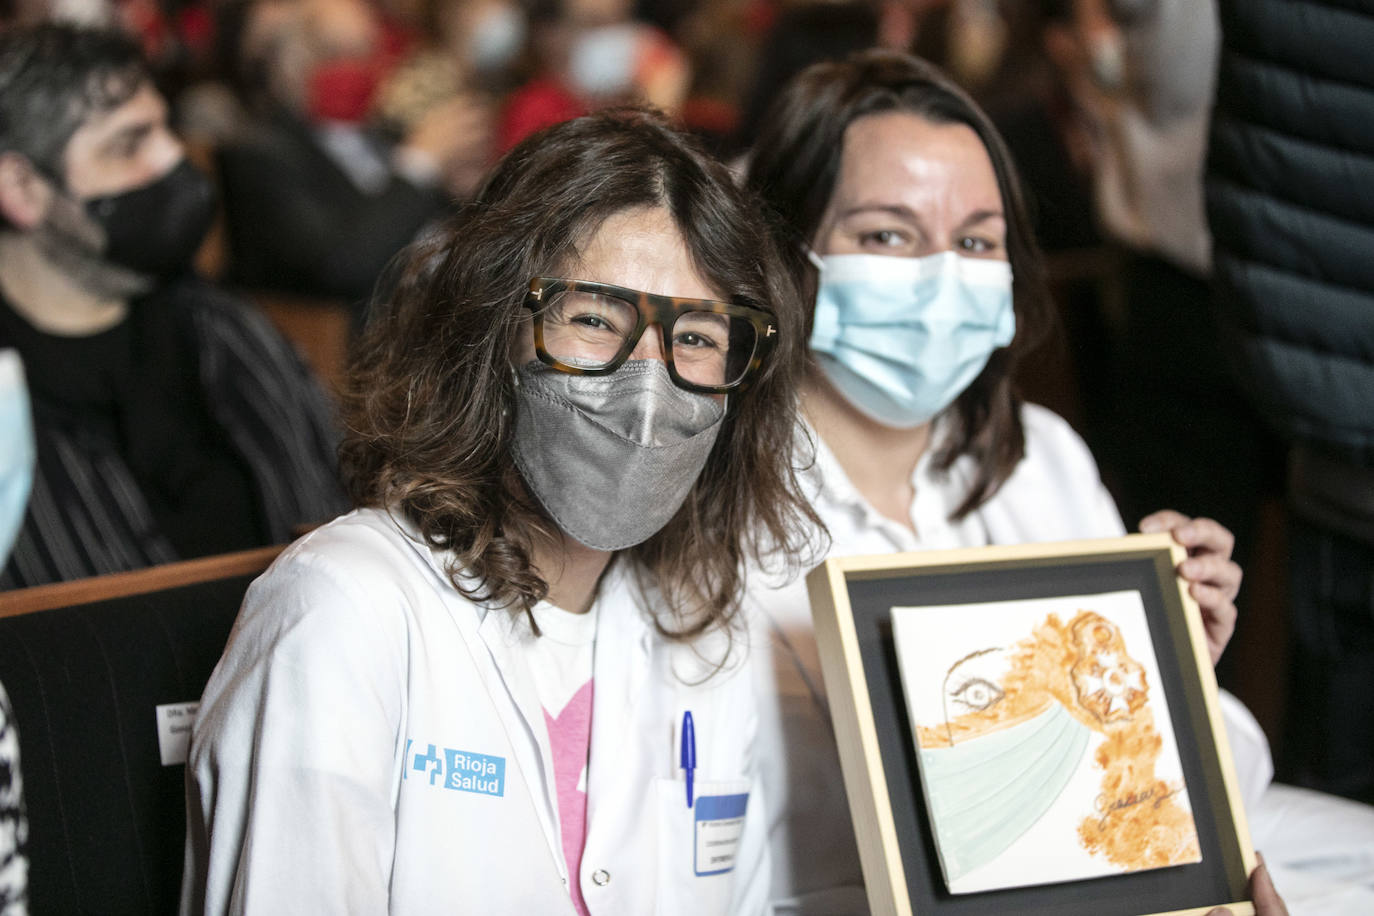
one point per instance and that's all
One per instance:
(430, 404)
(53, 79)
(794, 166)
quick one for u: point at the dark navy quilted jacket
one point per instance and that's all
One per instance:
(1290, 199)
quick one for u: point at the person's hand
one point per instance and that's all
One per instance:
(456, 136)
(1262, 891)
(1213, 578)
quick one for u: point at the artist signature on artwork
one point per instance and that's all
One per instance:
(1108, 806)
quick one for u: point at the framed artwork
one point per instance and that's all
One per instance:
(1031, 729)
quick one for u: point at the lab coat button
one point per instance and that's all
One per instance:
(601, 877)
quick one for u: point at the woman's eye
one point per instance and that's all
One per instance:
(595, 322)
(977, 694)
(692, 340)
(882, 238)
(977, 245)
(701, 334)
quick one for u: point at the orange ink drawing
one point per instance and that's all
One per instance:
(1067, 692)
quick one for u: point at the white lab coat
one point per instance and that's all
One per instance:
(1054, 494)
(358, 684)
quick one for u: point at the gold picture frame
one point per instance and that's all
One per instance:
(852, 600)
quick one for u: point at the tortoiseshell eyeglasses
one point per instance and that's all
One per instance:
(587, 328)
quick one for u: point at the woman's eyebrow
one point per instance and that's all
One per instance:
(900, 211)
(978, 216)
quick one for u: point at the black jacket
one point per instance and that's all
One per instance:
(88, 514)
(298, 224)
(1290, 199)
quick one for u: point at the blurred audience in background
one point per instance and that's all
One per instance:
(1139, 75)
(804, 34)
(330, 179)
(171, 420)
(590, 54)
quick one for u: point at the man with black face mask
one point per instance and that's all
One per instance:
(171, 420)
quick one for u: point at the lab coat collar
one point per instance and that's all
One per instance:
(436, 558)
(627, 605)
(620, 664)
(935, 499)
(623, 608)
(837, 489)
(503, 632)
(638, 739)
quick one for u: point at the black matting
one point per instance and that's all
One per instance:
(1218, 878)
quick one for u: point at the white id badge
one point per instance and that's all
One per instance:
(699, 847)
(174, 722)
(718, 823)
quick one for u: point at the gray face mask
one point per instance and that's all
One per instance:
(611, 458)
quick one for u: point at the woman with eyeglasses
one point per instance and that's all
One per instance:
(903, 218)
(505, 683)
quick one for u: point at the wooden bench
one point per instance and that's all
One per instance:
(86, 664)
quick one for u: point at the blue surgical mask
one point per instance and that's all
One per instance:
(16, 449)
(497, 37)
(901, 338)
(602, 59)
(985, 792)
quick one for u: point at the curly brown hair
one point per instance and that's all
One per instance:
(430, 404)
(794, 166)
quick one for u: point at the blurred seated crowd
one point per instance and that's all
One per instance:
(338, 130)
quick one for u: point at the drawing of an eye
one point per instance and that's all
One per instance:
(977, 694)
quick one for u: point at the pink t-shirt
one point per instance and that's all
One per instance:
(561, 663)
(569, 736)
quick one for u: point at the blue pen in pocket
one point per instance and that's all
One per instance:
(688, 754)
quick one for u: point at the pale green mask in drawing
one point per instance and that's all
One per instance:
(986, 792)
